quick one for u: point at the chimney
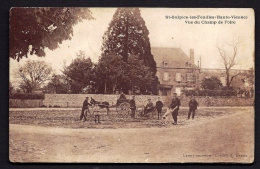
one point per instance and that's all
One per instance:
(192, 55)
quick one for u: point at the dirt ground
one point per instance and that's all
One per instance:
(215, 135)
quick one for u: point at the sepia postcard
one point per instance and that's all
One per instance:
(131, 85)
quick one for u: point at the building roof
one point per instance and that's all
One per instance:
(174, 56)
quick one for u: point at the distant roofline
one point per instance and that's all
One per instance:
(177, 67)
(165, 47)
(198, 68)
(178, 50)
(224, 69)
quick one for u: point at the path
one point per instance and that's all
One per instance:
(227, 138)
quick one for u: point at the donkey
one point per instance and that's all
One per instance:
(101, 105)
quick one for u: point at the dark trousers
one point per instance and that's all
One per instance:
(132, 112)
(82, 115)
(159, 113)
(193, 113)
(174, 115)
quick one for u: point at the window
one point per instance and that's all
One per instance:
(178, 77)
(165, 63)
(166, 76)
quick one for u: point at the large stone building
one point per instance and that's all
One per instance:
(175, 70)
(178, 72)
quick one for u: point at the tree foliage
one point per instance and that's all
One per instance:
(250, 77)
(139, 75)
(57, 84)
(11, 88)
(212, 83)
(32, 75)
(34, 29)
(111, 70)
(127, 35)
(79, 72)
(114, 73)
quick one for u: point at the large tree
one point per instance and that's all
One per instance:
(212, 83)
(140, 76)
(79, 71)
(32, 75)
(111, 70)
(57, 84)
(34, 29)
(127, 35)
(228, 52)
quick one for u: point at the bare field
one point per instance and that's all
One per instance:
(70, 118)
(215, 135)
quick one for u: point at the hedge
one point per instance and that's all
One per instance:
(26, 96)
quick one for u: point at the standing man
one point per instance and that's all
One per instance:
(192, 107)
(84, 107)
(159, 106)
(132, 107)
(175, 107)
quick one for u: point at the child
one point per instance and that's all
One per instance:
(96, 111)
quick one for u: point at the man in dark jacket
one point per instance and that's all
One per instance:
(132, 107)
(192, 107)
(175, 104)
(84, 107)
(159, 106)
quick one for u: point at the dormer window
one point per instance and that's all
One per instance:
(165, 64)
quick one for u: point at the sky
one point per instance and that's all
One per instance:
(176, 33)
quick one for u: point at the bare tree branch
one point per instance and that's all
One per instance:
(32, 74)
(229, 57)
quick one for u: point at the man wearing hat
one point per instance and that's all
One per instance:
(149, 107)
(159, 106)
(192, 107)
(84, 107)
(175, 104)
(132, 107)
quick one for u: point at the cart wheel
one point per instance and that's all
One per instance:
(90, 115)
(124, 109)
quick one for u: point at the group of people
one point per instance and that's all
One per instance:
(85, 107)
(147, 109)
(173, 108)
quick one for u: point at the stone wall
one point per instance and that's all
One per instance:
(17, 103)
(218, 101)
(76, 100)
